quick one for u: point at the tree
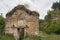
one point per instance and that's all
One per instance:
(56, 6)
(48, 18)
(2, 23)
(53, 22)
(41, 25)
(54, 28)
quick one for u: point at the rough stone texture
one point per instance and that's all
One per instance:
(21, 17)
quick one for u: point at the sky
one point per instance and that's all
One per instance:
(41, 6)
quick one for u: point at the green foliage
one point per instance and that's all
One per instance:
(48, 17)
(2, 23)
(41, 25)
(56, 5)
(54, 26)
(7, 37)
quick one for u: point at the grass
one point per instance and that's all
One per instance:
(6, 37)
(42, 36)
(45, 36)
(32, 38)
(51, 37)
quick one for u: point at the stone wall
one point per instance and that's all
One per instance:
(22, 19)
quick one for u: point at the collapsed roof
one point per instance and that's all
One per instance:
(21, 7)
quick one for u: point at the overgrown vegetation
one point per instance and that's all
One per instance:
(7, 37)
(2, 35)
(45, 36)
(51, 23)
(2, 24)
(32, 38)
(53, 28)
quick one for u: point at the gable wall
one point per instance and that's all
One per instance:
(31, 21)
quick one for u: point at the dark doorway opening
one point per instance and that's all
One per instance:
(21, 33)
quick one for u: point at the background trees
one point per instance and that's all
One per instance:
(56, 5)
(51, 23)
(2, 23)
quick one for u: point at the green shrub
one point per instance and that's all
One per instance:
(54, 28)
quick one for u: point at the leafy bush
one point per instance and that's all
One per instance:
(54, 27)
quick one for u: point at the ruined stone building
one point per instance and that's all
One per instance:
(22, 21)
